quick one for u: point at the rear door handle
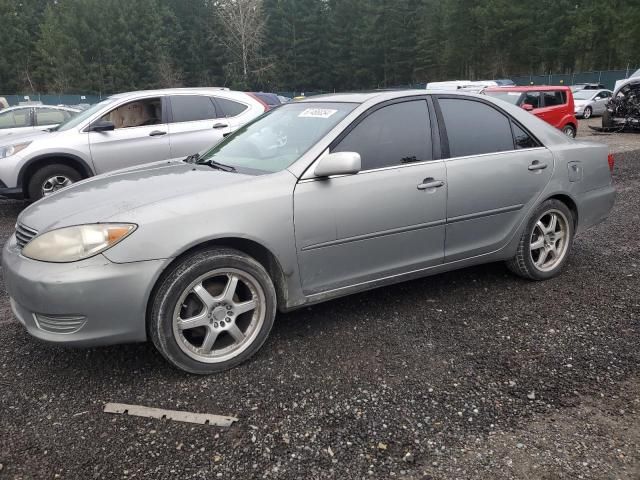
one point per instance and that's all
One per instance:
(220, 125)
(430, 183)
(537, 165)
(157, 133)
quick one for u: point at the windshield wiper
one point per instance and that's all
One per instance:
(218, 166)
(212, 163)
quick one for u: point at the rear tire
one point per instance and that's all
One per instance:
(569, 131)
(212, 311)
(545, 243)
(51, 178)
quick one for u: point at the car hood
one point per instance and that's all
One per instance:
(15, 138)
(581, 103)
(100, 198)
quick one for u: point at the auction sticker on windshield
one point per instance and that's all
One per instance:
(317, 113)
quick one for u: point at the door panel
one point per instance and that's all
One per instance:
(126, 147)
(488, 195)
(188, 138)
(357, 228)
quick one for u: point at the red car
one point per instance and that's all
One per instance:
(554, 105)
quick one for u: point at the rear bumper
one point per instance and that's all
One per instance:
(595, 206)
(86, 303)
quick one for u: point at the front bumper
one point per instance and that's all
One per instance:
(86, 303)
(15, 192)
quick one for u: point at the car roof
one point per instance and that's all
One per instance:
(382, 95)
(169, 91)
(528, 88)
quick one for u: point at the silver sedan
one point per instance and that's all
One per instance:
(591, 102)
(314, 200)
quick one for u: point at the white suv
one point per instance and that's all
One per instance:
(124, 130)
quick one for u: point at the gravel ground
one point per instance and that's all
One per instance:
(473, 374)
(619, 142)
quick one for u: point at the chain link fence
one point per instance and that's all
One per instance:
(606, 77)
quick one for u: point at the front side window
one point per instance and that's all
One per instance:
(553, 99)
(278, 138)
(138, 113)
(511, 97)
(16, 118)
(393, 135)
(192, 108)
(531, 98)
(230, 108)
(474, 128)
(51, 116)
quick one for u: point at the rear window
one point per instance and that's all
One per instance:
(230, 108)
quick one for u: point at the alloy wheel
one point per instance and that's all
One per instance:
(549, 240)
(55, 183)
(587, 113)
(219, 315)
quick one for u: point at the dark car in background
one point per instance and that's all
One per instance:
(270, 100)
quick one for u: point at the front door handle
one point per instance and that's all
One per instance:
(157, 133)
(220, 125)
(430, 183)
(537, 165)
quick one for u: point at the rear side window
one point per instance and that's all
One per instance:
(192, 108)
(51, 116)
(552, 99)
(522, 139)
(474, 128)
(393, 135)
(230, 108)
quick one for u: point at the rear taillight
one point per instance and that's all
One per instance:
(611, 161)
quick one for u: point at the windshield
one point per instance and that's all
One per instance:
(82, 116)
(511, 97)
(278, 138)
(583, 94)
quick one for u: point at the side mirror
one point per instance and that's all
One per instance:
(338, 163)
(101, 126)
(527, 106)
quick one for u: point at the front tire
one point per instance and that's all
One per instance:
(50, 179)
(545, 243)
(587, 113)
(212, 311)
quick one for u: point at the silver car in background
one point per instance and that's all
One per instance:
(591, 102)
(124, 130)
(23, 119)
(314, 200)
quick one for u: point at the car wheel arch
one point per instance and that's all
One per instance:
(254, 249)
(569, 202)
(29, 168)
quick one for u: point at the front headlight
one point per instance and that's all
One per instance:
(9, 150)
(71, 244)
